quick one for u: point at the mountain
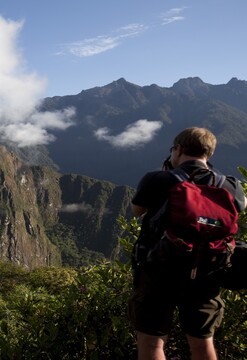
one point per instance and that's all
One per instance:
(97, 145)
(59, 203)
(49, 218)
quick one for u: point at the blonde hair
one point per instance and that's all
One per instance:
(196, 141)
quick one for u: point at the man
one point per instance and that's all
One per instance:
(159, 291)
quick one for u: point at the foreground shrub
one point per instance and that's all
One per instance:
(82, 317)
(87, 318)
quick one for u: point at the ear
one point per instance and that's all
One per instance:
(179, 150)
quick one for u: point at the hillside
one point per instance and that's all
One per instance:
(49, 218)
(99, 145)
(59, 203)
(122, 130)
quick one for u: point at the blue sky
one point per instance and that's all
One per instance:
(61, 47)
(78, 44)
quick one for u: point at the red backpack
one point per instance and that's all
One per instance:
(197, 218)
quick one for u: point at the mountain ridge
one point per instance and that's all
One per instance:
(59, 203)
(118, 105)
(107, 116)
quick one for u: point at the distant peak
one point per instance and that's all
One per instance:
(190, 81)
(121, 80)
(190, 85)
(121, 84)
(235, 81)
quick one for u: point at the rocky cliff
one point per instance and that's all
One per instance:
(35, 201)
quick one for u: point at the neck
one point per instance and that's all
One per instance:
(184, 158)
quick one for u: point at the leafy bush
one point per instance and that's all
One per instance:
(68, 314)
(231, 337)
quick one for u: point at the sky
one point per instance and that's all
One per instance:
(61, 47)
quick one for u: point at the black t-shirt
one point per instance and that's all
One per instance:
(153, 188)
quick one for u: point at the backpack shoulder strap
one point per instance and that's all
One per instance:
(219, 180)
(215, 179)
(180, 174)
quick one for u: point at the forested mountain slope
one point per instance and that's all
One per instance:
(49, 218)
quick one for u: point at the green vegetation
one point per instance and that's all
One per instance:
(52, 313)
(64, 237)
(81, 313)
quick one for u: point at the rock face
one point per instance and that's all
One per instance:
(34, 199)
(23, 238)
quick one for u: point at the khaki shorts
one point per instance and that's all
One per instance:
(157, 295)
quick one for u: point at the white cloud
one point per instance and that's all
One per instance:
(8, 34)
(102, 43)
(172, 15)
(61, 119)
(25, 134)
(135, 135)
(20, 94)
(90, 47)
(132, 30)
(82, 207)
(172, 19)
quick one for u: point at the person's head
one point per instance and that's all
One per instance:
(193, 143)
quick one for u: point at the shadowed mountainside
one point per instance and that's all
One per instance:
(113, 137)
(47, 218)
(119, 105)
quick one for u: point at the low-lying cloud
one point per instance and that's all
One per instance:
(72, 208)
(135, 135)
(84, 208)
(20, 94)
